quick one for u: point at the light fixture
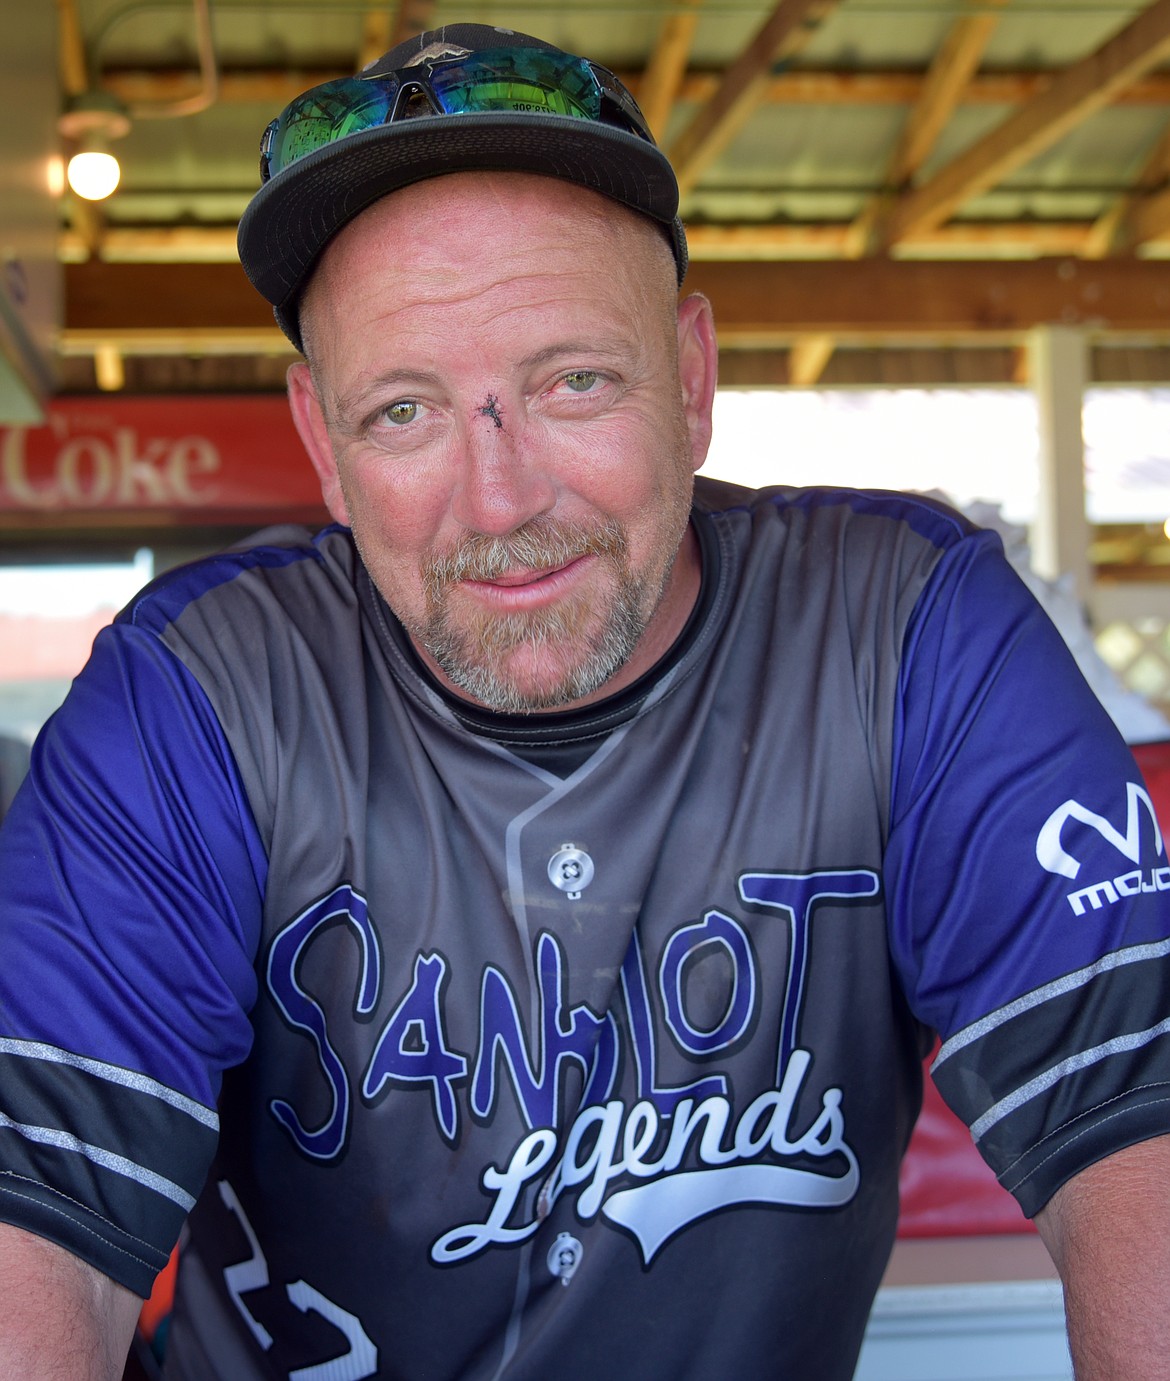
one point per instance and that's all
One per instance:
(93, 173)
(91, 122)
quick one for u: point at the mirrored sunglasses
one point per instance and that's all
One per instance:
(525, 80)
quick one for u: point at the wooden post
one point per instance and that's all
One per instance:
(1060, 536)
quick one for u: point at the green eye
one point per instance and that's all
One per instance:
(581, 380)
(398, 414)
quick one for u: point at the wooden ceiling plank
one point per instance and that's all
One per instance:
(786, 30)
(1081, 89)
(660, 84)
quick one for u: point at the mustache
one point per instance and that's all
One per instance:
(540, 544)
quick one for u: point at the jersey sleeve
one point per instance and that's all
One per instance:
(131, 879)
(1027, 883)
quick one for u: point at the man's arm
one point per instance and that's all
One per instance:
(61, 1320)
(1108, 1230)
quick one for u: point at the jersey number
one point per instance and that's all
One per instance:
(362, 1358)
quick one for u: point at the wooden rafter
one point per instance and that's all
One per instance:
(73, 64)
(786, 30)
(1144, 214)
(377, 36)
(658, 90)
(1113, 232)
(413, 17)
(807, 359)
(1080, 90)
(1148, 219)
(946, 81)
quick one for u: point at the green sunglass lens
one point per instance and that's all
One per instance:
(513, 79)
(324, 115)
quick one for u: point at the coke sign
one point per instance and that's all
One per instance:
(192, 458)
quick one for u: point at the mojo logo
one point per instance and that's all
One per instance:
(1052, 855)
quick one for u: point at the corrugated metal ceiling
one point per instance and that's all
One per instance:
(1015, 156)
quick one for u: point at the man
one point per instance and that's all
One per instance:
(539, 919)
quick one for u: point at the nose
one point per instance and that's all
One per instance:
(502, 483)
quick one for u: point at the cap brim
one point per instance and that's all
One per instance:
(293, 216)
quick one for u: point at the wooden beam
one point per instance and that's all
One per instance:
(269, 87)
(148, 343)
(1148, 219)
(877, 299)
(763, 304)
(946, 83)
(950, 72)
(786, 30)
(155, 244)
(109, 366)
(1075, 93)
(377, 36)
(72, 63)
(807, 360)
(1115, 232)
(87, 225)
(216, 244)
(660, 84)
(993, 240)
(414, 17)
(100, 296)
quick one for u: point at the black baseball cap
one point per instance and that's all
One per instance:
(461, 98)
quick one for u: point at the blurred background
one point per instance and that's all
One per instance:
(935, 233)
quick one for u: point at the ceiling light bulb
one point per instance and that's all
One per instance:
(91, 121)
(93, 175)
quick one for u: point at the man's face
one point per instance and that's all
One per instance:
(497, 411)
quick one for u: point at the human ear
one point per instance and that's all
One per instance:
(309, 419)
(698, 366)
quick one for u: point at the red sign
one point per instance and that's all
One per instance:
(187, 458)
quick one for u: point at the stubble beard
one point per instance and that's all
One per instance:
(520, 663)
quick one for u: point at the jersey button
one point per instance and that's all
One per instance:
(570, 869)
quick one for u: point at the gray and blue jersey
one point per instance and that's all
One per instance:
(580, 1043)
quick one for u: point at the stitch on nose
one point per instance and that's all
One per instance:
(491, 409)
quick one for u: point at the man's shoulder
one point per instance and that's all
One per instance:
(926, 515)
(325, 557)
